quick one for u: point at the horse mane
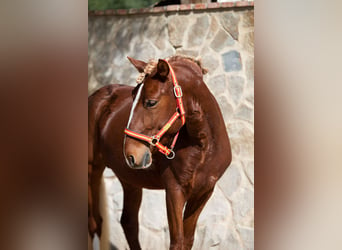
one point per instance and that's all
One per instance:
(152, 64)
(189, 58)
(196, 124)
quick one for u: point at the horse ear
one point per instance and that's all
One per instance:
(163, 68)
(139, 65)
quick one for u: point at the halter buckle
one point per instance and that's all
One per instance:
(154, 140)
(178, 91)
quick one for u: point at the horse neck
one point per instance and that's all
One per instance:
(204, 120)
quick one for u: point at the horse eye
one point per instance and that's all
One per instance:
(150, 103)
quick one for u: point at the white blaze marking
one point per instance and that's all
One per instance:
(135, 102)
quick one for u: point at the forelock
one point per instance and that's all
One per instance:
(152, 64)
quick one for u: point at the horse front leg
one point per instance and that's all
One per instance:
(175, 201)
(174, 204)
(193, 209)
(129, 219)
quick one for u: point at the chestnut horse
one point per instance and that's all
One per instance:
(166, 133)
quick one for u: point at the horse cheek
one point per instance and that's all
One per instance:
(148, 121)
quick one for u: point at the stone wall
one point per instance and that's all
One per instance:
(223, 37)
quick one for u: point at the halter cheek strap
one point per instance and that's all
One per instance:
(180, 112)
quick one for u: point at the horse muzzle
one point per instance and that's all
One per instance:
(145, 163)
(139, 157)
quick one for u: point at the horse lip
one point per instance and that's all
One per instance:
(141, 166)
(146, 166)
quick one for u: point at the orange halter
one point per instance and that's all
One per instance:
(180, 112)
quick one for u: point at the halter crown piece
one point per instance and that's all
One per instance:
(180, 112)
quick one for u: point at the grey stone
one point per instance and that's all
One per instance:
(200, 237)
(236, 87)
(129, 75)
(153, 26)
(93, 85)
(102, 28)
(187, 52)
(242, 140)
(176, 29)
(226, 108)
(217, 84)
(90, 67)
(155, 240)
(214, 236)
(211, 63)
(209, 60)
(214, 26)
(248, 42)
(198, 31)
(213, 220)
(119, 58)
(249, 168)
(244, 113)
(115, 28)
(102, 65)
(155, 217)
(221, 40)
(124, 36)
(250, 69)
(230, 22)
(144, 51)
(242, 204)
(248, 220)
(250, 97)
(217, 209)
(232, 240)
(167, 52)
(232, 61)
(115, 191)
(231, 180)
(247, 236)
(155, 29)
(248, 19)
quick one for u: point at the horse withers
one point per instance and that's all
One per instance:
(166, 133)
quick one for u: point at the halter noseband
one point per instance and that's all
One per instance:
(180, 112)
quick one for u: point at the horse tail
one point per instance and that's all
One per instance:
(104, 241)
(104, 211)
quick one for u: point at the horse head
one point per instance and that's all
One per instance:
(156, 116)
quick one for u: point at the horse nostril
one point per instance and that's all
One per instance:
(131, 160)
(147, 158)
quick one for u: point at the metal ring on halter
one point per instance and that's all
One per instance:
(178, 111)
(171, 155)
(177, 90)
(154, 140)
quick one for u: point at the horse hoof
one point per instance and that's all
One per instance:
(92, 226)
